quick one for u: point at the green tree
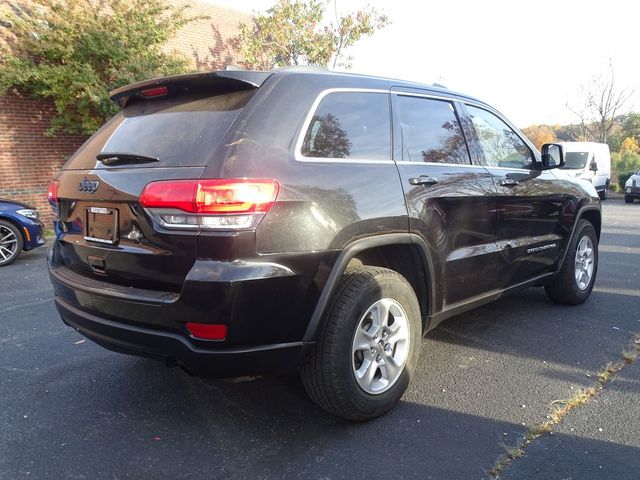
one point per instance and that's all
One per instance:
(631, 126)
(76, 51)
(290, 33)
(623, 164)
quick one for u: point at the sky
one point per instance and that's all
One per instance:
(527, 59)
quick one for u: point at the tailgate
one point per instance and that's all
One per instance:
(107, 235)
(104, 233)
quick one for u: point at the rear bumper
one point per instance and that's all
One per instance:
(175, 348)
(262, 304)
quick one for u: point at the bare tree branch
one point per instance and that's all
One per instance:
(601, 103)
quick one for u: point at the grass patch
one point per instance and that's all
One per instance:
(561, 408)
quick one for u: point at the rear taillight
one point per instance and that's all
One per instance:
(223, 204)
(52, 195)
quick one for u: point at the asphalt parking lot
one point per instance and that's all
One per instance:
(72, 410)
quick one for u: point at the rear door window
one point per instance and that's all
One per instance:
(180, 131)
(350, 125)
(430, 131)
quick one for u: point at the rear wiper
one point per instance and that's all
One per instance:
(117, 158)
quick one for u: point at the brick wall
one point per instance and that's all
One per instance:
(209, 44)
(28, 158)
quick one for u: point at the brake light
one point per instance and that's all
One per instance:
(154, 92)
(214, 203)
(52, 195)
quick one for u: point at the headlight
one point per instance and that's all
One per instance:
(629, 182)
(28, 212)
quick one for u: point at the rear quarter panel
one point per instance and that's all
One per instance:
(321, 206)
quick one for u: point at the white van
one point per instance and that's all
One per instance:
(589, 161)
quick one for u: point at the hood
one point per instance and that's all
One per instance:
(17, 203)
(632, 178)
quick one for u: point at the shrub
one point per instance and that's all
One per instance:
(76, 51)
(623, 177)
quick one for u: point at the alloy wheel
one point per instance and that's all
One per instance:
(380, 346)
(8, 244)
(584, 262)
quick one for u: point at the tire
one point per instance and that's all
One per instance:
(11, 243)
(329, 374)
(603, 194)
(628, 199)
(567, 287)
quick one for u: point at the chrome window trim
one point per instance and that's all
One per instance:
(307, 121)
(451, 100)
(435, 164)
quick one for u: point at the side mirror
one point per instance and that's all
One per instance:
(594, 166)
(552, 156)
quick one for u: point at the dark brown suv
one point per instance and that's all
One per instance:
(242, 222)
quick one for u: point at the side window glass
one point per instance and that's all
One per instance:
(501, 146)
(353, 125)
(431, 131)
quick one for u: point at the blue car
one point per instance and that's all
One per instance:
(20, 229)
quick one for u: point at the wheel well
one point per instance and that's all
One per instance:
(18, 226)
(404, 259)
(594, 217)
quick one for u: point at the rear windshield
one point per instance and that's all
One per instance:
(179, 131)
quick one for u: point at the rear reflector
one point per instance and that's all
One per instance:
(207, 331)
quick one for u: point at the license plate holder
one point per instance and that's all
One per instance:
(101, 225)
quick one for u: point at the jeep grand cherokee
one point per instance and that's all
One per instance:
(243, 222)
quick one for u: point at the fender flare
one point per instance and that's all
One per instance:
(580, 214)
(348, 253)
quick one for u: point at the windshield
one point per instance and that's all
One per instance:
(575, 160)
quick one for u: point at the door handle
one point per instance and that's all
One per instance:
(423, 180)
(508, 182)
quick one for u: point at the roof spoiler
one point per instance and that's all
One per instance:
(225, 80)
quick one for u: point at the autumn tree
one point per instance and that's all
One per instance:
(629, 144)
(76, 51)
(292, 33)
(601, 101)
(540, 134)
